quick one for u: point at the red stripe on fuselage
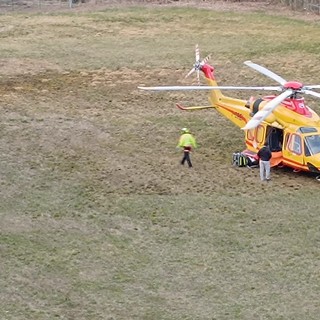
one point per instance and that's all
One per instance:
(237, 114)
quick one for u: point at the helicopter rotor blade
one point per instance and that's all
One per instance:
(308, 87)
(206, 59)
(266, 72)
(190, 72)
(196, 66)
(198, 77)
(197, 53)
(268, 108)
(187, 88)
(312, 93)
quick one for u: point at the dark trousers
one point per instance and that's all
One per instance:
(186, 156)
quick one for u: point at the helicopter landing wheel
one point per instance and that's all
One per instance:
(318, 178)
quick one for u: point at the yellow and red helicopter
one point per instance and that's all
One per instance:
(291, 128)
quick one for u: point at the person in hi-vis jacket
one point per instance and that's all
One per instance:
(187, 142)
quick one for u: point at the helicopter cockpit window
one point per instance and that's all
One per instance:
(260, 133)
(313, 144)
(307, 130)
(306, 150)
(250, 134)
(294, 144)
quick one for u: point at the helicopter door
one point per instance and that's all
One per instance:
(293, 153)
(274, 138)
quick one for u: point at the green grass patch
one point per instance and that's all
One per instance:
(98, 218)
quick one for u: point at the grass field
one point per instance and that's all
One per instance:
(97, 218)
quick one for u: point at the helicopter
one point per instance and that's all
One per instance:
(285, 121)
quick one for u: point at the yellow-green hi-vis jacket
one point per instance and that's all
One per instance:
(187, 140)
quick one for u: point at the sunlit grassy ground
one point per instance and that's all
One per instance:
(99, 220)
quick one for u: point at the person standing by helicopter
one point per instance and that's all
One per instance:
(264, 155)
(187, 142)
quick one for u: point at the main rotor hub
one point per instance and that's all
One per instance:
(294, 85)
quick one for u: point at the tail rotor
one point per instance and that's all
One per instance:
(198, 64)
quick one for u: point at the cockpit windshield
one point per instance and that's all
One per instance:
(312, 144)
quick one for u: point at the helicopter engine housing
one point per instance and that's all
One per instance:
(257, 105)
